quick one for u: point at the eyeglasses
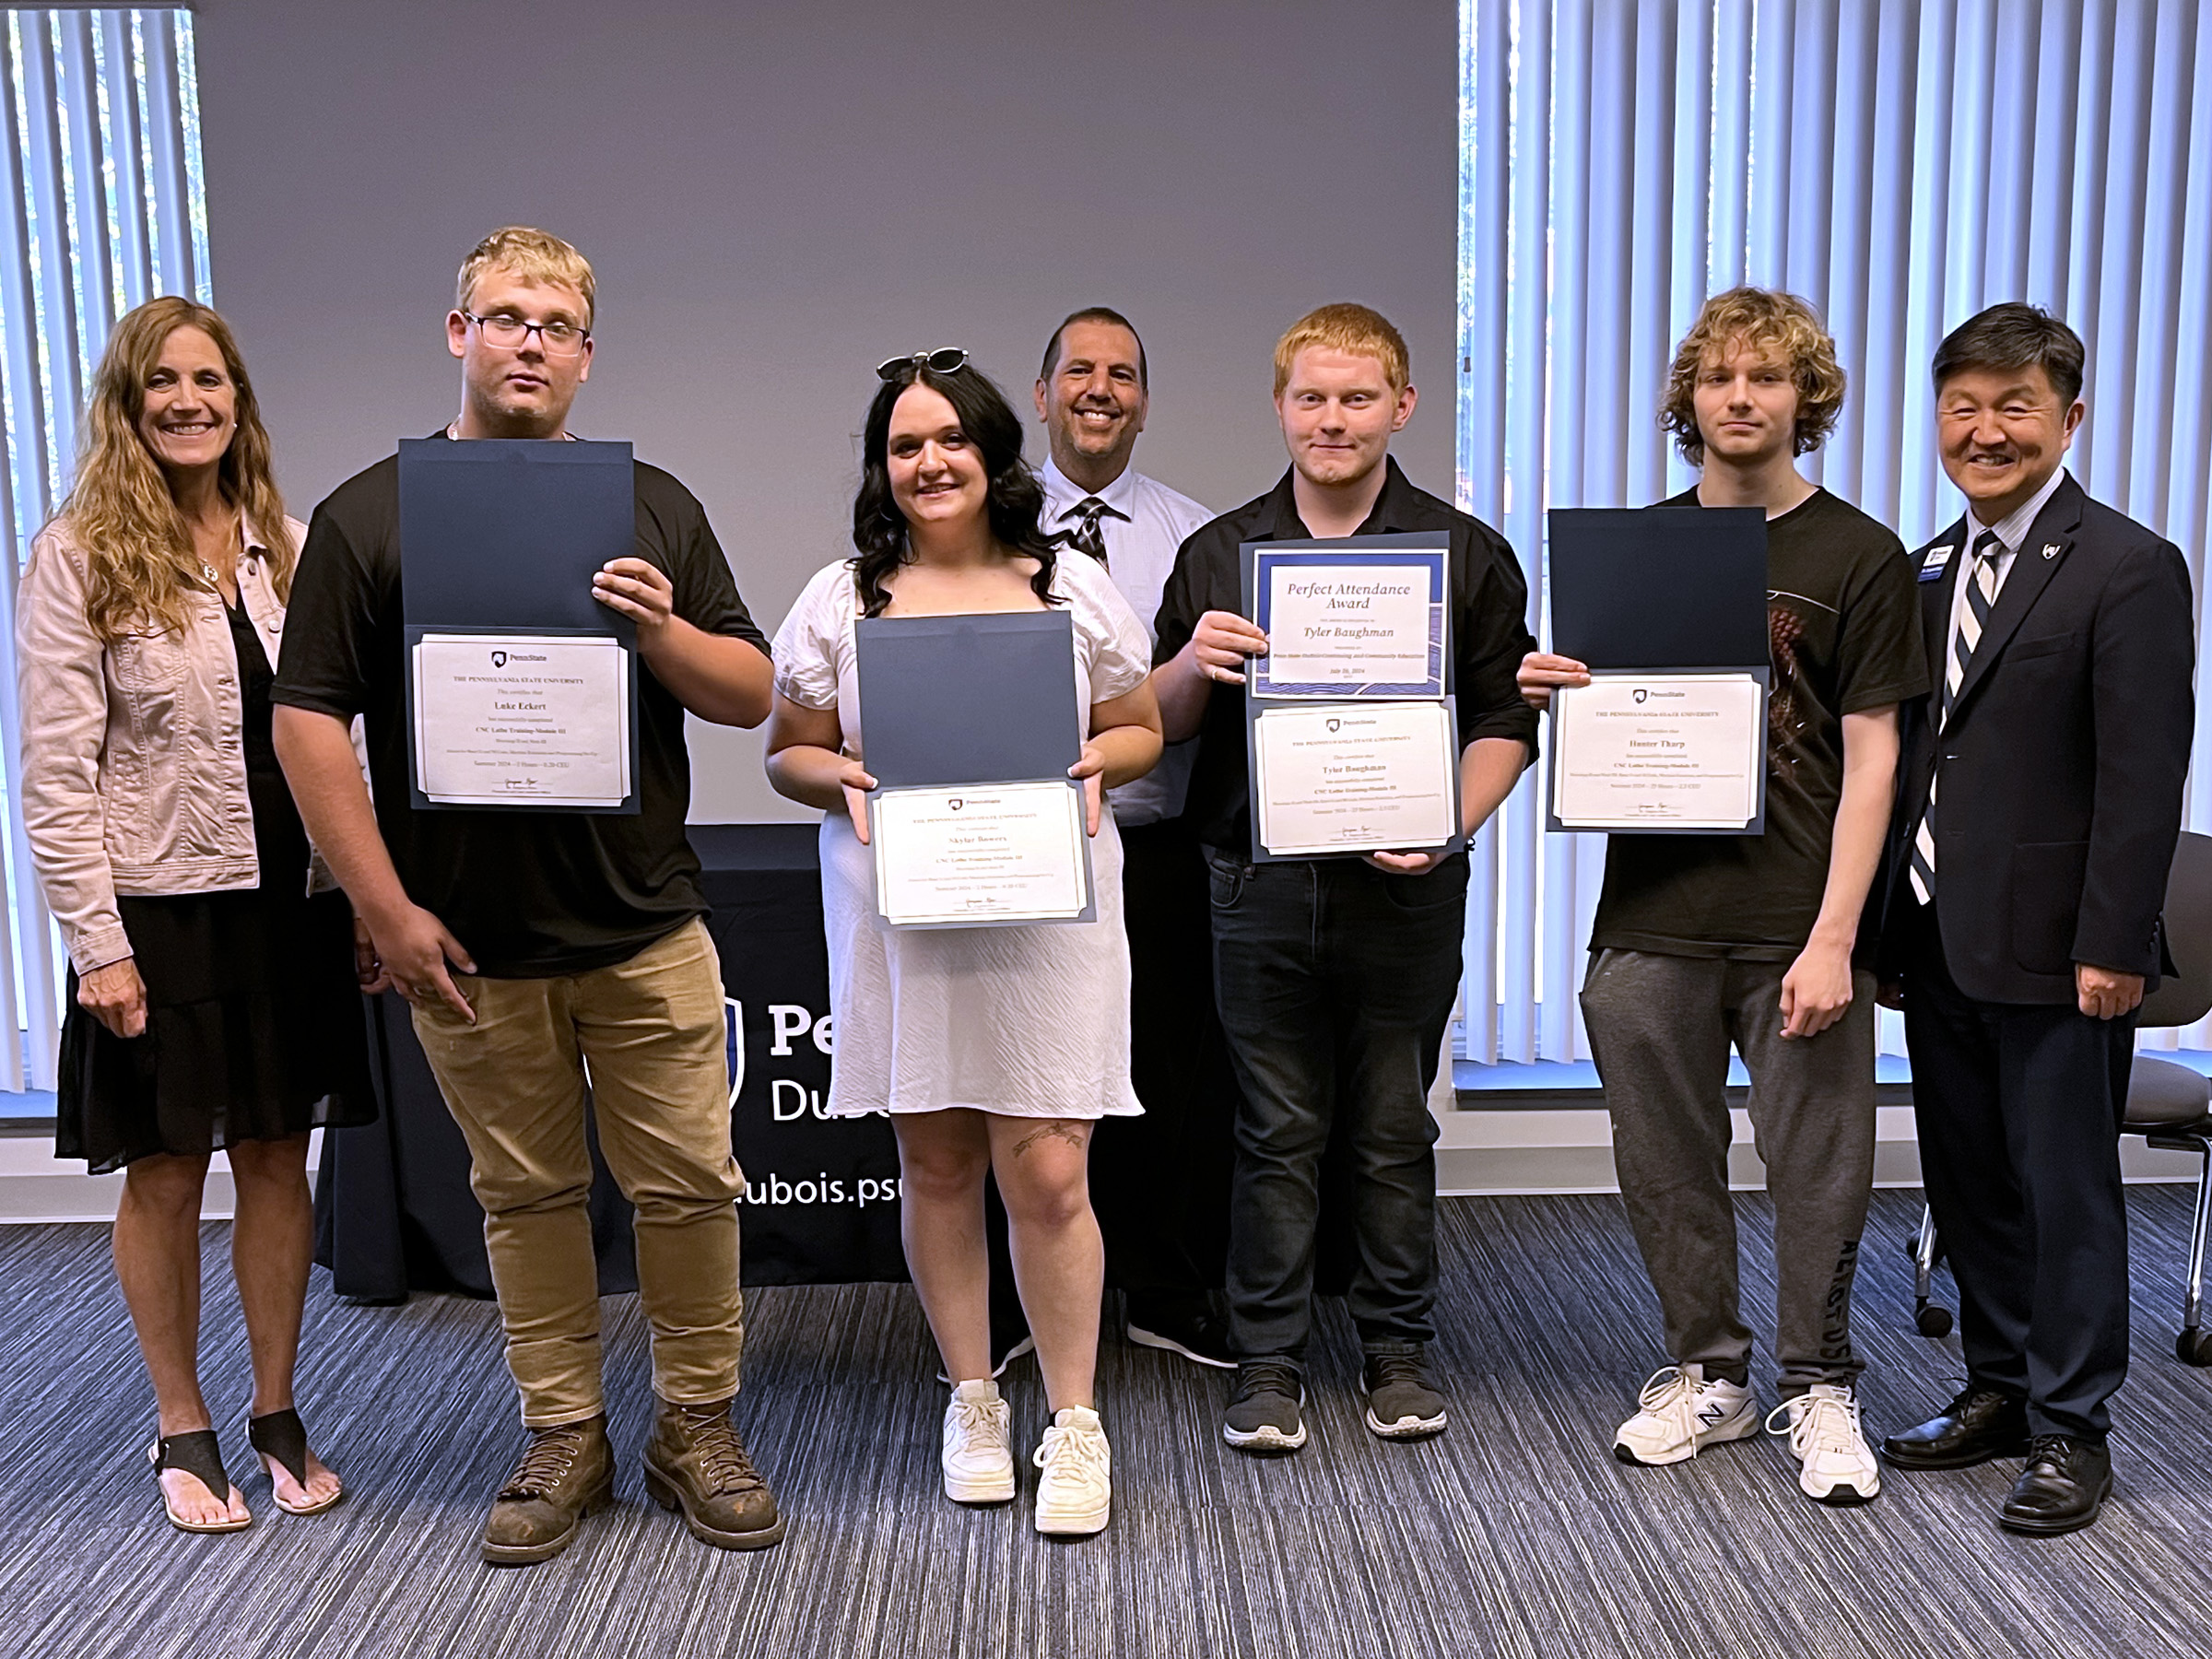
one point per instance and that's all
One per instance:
(558, 339)
(943, 360)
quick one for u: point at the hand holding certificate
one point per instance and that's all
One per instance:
(1352, 737)
(970, 724)
(1667, 607)
(522, 686)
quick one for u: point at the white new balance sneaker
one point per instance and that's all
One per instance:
(1836, 1465)
(978, 1447)
(1076, 1492)
(1681, 1414)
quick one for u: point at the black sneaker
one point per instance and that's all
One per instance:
(1263, 1413)
(1402, 1398)
(1188, 1325)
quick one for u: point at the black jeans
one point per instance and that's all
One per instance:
(1160, 1183)
(1335, 982)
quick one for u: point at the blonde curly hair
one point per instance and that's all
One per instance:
(139, 563)
(1763, 319)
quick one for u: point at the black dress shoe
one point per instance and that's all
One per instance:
(2062, 1489)
(1977, 1426)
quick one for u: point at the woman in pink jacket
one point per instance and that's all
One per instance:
(214, 1002)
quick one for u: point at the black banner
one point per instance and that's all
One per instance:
(821, 1199)
(393, 1210)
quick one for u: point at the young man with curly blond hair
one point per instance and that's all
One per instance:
(1704, 942)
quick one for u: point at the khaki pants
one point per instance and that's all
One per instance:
(651, 1029)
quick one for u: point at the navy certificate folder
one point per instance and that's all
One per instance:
(503, 534)
(1660, 587)
(980, 699)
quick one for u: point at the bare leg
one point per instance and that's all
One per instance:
(156, 1247)
(942, 1159)
(272, 1243)
(1042, 1166)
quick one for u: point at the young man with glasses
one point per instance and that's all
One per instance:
(531, 944)
(1702, 941)
(1335, 977)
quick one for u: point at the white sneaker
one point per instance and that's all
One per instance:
(1077, 1493)
(979, 1446)
(1837, 1465)
(1682, 1414)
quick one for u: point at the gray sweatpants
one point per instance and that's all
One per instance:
(1660, 1029)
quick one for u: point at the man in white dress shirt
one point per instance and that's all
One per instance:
(1160, 1183)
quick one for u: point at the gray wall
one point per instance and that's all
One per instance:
(777, 197)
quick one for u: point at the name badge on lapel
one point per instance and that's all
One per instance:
(1937, 562)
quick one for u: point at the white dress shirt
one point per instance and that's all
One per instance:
(1146, 524)
(2012, 530)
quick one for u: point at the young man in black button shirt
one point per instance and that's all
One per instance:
(570, 938)
(1335, 977)
(1702, 941)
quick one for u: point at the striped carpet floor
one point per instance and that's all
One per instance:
(1517, 1533)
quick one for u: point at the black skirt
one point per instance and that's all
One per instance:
(255, 1026)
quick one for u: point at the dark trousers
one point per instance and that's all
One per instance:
(1661, 1027)
(1335, 982)
(1160, 1183)
(2020, 1109)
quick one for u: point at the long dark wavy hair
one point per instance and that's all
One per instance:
(1016, 498)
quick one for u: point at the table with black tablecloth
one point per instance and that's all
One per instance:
(394, 1209)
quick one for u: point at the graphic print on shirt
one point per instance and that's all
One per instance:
(1792, 708)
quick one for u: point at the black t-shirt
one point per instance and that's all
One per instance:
(1489, 631)
(1843, 630)
(530, 894)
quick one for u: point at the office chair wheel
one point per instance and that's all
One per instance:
(1935, 1321)
(2194, 1348)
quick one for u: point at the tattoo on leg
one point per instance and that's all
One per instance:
(1056, 1130)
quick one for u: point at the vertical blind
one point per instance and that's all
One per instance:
(1900, 163)
(100, 160)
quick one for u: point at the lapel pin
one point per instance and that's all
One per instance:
(2051, 551)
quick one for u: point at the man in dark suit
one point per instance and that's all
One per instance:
(2037, 815)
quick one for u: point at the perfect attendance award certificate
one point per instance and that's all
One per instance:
(1355, 778)
(1349, 623)
(522, 720)
(977, 854)
(1659, 751)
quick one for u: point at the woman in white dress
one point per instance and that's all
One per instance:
(994, 1049)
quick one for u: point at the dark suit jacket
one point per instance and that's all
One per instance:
(2062, 760)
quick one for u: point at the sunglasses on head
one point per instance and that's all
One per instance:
(943, 360)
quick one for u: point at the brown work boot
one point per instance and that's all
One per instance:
(566, 1473)
(695, 1462)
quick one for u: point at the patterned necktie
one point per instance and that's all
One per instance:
(1087, 538)
(1981, 594)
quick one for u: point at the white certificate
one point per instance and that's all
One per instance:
(1344, 629)
(1674, 752)
(522, 720)
(981, 854)
(1355, 778)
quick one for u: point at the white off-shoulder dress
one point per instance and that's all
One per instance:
(1021, 1021)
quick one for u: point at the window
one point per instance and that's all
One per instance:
(1898, 165)
(105, 207)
